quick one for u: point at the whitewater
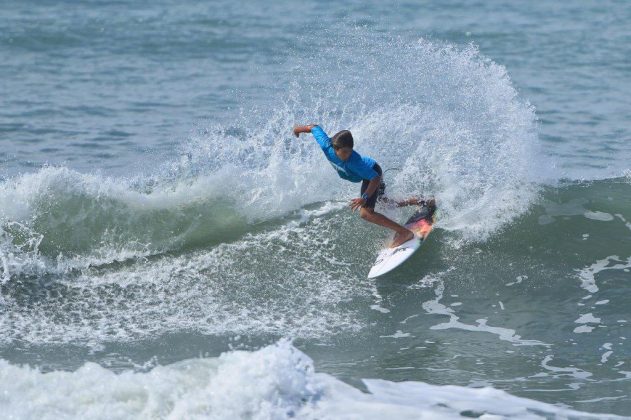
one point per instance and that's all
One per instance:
(216, 271)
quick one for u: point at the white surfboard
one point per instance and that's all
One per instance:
(421, 223)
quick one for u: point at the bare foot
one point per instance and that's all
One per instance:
(401, 238)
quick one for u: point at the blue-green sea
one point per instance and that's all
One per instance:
(169, 250)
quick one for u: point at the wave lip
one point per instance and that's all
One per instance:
(275, 382)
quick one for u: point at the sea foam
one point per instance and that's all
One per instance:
(275, 382)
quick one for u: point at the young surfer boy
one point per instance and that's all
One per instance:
(353, 167)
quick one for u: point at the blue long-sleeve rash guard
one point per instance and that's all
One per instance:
(355, 169)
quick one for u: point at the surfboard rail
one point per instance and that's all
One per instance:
(421, 223)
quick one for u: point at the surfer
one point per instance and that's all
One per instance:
(353, 167)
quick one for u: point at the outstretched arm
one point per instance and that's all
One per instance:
(318, 134)
(303, 129)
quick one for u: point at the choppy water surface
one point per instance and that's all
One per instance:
(156, 213)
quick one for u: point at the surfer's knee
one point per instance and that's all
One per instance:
(366, 213)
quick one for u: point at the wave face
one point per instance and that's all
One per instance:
(275, 382)
(57, 219)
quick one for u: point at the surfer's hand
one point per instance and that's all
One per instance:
(356, 203)
(302, 129)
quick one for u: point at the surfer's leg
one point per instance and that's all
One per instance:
(403, 234)
(367, 212)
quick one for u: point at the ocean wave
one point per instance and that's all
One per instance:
(266, 283)
(447, 118)
(63, 219)
(257, 283)
(275, 382)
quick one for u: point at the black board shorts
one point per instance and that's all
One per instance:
(372, 200)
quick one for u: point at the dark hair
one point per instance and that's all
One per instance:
(342, 139)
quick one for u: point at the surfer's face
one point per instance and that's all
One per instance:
(343, 152)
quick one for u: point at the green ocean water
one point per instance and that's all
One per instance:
(156, 213)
